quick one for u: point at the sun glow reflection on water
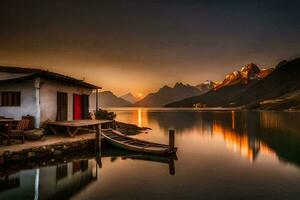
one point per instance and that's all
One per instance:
(139, 117)
(221, 155)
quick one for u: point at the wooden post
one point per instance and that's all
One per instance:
(96, 99)
(114, 125)
(98, 138)
(98, 159)
(171, 166)
(171, 140)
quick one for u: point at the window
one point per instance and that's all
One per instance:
(10, 98)
(62, 106)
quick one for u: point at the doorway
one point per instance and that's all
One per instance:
(80, 106)
(62, 106)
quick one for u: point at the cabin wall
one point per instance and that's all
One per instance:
(92, 101)
(48, 98)
(38, 98)
(28, 99)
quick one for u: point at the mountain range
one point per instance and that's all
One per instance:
(163, 96)
(244, 76)
(130, 98)
(168, 94)
(108, 99)
(252, 87)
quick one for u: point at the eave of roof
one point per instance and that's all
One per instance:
(44, 74)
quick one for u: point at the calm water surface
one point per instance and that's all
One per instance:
(222, 155)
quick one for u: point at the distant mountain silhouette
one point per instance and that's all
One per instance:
(168, 94)
(252, 87)
(130, 98)
(108, 99)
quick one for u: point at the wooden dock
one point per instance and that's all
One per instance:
(62, 144)
(73, 126)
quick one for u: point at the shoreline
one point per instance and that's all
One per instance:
(49, 147)
(130, 129)
(198, 109)
(52, 146)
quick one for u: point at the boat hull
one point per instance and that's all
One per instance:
(133, 144)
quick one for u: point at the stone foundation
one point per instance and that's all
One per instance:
(47, 151)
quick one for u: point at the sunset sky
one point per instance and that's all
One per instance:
(139, 46)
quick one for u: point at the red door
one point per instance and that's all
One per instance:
(77, 106)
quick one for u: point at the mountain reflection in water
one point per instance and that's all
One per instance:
(221, 155)
(246, 132)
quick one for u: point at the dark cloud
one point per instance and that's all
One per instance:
(188, 41)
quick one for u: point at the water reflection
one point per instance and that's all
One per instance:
(53, 182)
(65, 179)
(115, 153)
(222, 155)
(9, 182)
(249, 133)
(247, 145)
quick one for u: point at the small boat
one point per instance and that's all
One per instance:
(118, 139)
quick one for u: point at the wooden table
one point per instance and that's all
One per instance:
(73, 126)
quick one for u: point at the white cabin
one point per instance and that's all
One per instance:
(47, 96)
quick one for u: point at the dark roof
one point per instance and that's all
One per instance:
(45, 74)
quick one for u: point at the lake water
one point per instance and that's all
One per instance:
(221, 155)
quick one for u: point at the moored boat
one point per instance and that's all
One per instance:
(118, 139)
